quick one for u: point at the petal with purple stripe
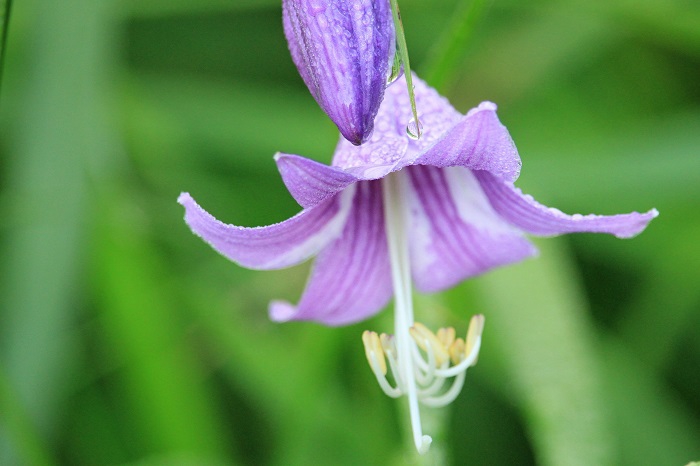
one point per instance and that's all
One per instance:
(276, 246)
(479, 142)
(527, 214)
(310, 182)
(351, 278)
(454, 233)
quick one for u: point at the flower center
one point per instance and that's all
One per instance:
(420, 361)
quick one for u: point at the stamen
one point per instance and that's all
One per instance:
(425, 338)
(446, 336)
(375, 356)
(373, 348)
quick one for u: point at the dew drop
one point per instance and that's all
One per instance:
(413, 130)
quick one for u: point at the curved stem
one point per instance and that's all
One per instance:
(403, 53)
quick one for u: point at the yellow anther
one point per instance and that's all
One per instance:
(457, 353)
(373, 350)
(421, 335)
(476, 327)
(446, 336)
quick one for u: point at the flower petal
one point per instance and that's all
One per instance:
(390, 148)
(351, 278)
(275, 246)
(310, 182)
(479, 142)
(342, 49)
(454, 233)
(526, 213)
(476, 140)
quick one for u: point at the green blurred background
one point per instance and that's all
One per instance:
(125, 340)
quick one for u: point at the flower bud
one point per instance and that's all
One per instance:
(343, 50)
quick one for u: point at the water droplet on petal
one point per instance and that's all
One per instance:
(413, 130)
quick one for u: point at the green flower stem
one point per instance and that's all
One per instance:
(403, 52)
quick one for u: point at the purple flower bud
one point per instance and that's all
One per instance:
(343, 50)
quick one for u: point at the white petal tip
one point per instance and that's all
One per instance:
(483, 106)
(424, 446)
(184, 198)
(281, 311)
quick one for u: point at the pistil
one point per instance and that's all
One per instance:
(419, 361)
(395, 222)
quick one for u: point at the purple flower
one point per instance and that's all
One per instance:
(399, 211)
(343, 50)
(463, 216)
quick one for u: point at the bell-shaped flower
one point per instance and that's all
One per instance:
(398, 212)
(343, 50)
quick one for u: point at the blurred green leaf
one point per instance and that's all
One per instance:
(183, 7)
(290, 374)
(59, 130)
(669, 287)
(17, 425)
(536, 324)
(244, 124)
(163, 383)
(650, 426)
(449, 48)
(5, 7)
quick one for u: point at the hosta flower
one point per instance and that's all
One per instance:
(343, 50)
(398, 212)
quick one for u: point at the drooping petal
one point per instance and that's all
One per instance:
(342, 49)
(276, 246)
(454, 233)
(476, 140)
(310, 182)
(351, 278)
(479, 142)
(524, 212)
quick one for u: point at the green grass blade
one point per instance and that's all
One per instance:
(448, 51)
(58, 130)
(650, 424)
(5, 7)
(403, 52)
(162, 382)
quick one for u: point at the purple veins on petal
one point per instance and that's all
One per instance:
(351, 278)
(343, 50)
(276, 246)
(454, 232)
